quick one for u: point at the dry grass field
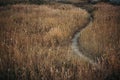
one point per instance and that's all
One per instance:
(102, 38)
(35, 42)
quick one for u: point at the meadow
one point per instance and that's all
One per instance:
(35, 43)
(102, 38)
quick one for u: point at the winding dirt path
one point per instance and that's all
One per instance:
(75, 46)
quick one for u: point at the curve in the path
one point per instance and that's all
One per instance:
(75, 43)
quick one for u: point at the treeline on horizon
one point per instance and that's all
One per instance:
(7, 2)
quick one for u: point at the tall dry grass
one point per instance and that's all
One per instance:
(35, 43)
(102, 38)
(104, 32)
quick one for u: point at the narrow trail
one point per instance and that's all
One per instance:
(75, 46)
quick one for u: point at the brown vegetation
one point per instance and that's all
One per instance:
(102, 38)
(35, 43)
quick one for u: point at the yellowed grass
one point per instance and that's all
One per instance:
(103, 36)
(35, 43)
